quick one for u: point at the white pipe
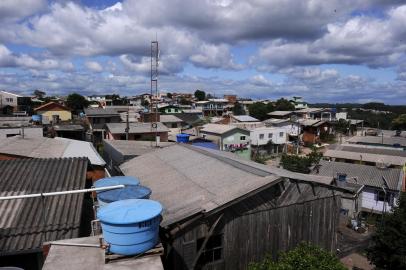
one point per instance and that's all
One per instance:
(56, 193)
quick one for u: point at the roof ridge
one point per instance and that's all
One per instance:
(229, 161)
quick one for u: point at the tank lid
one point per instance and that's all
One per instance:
(129, 192)
(129, 211)
(117, 180)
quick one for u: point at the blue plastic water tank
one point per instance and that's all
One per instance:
(182, 138)
(129, 192)
(130, 226)
(113, 181)
(36, 118)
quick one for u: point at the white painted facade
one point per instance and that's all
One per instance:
(262, 135)
(8, 99)
(372, 201)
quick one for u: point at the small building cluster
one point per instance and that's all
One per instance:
(206, 179)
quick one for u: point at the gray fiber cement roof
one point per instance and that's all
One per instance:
(135, 148)
(378, 140)
(42, 147)
(67, 257)
(22, 228)
(188, 180)
(135, 128)
(364, 174)
(376, 158)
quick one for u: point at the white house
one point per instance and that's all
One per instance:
(262, 135)
(381, 185)
(8, 99)
(292, 128)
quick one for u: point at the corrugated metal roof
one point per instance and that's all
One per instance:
(119, 128)
(378, 140)
(365, 175)
(76, 148)
(188, 179)
(42, 147)
(391, 160)
(21, 223)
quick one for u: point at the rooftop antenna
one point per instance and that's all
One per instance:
(154, 87)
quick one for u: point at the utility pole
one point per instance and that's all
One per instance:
(127, 128)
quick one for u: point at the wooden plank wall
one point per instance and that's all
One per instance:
(249, 235)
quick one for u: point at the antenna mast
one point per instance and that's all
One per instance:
(154, 88)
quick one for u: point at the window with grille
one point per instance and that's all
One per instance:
(261, 136)
(212, 252)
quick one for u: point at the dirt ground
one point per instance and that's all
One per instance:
(356, 260)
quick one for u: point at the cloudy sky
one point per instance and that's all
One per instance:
(325, 51)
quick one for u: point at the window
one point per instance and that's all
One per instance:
(212, 252)
(270, 135)
(281, 134)
(176, 110)
(261, 136)
(9, 99)
(242, 138)
(381, 196)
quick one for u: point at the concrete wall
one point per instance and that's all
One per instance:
(63, 115)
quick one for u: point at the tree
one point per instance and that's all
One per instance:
(388, 249)
(238, 109)
(169, 95)
(200, 95)
(184, 101)
(258, 110)
(76, 102)
(39, 94)
(302, 257)
(284, 105)
(301, 164)
(399, 122)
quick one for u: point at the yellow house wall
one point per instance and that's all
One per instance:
(63, 115)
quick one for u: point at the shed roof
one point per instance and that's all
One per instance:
(363, 174)
(245, 118)
(100, 112)
(377, 158)
(42, 147)
(188, 180)
(378, 140)
(21, 225)
(170, 118)
(135, 128)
